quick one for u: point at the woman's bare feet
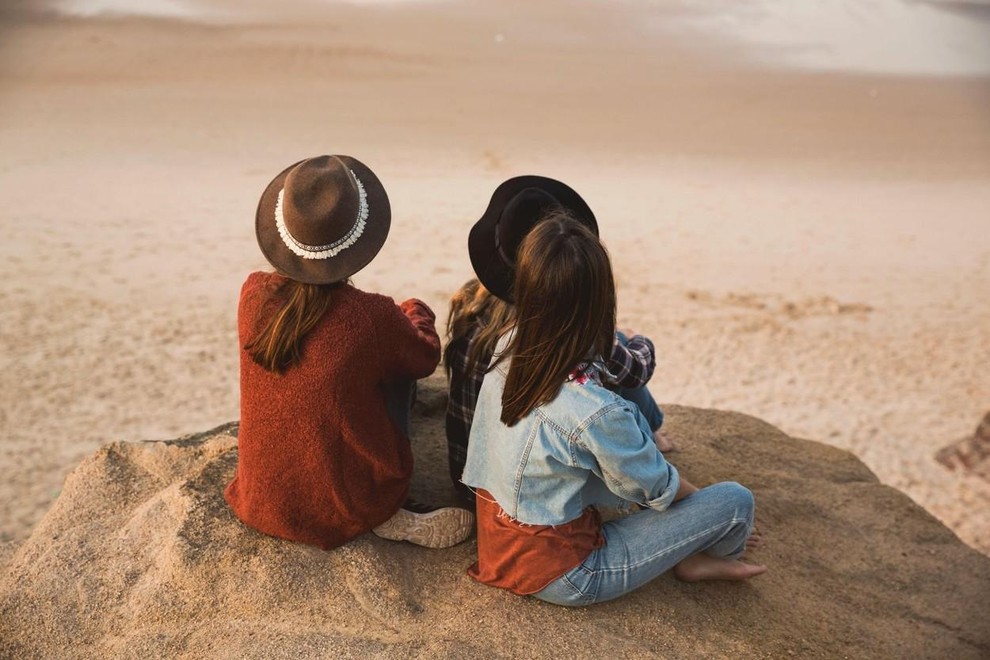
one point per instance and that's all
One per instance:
(665, 442)
(702, 567)
(755, 539)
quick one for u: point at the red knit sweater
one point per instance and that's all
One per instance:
(319, 460)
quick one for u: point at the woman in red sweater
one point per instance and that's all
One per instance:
(328, 371)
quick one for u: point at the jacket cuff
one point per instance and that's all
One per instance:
(667, 495)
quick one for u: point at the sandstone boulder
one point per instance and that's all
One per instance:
(140, 557)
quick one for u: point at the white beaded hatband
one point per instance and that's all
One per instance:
(331, 249)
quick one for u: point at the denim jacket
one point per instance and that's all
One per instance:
(588, 446)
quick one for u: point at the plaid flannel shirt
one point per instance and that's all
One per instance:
(465, 383)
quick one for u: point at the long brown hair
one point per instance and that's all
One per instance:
(565, 311)
(474, 306)
(298, 308)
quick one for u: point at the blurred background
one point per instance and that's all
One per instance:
(794, 194)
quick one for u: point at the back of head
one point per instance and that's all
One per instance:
(565, 311)
(475, 313)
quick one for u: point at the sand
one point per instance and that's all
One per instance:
(159, 567)
(805, 246)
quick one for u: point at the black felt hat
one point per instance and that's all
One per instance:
(517, 205)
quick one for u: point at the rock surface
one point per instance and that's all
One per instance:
(140, 557)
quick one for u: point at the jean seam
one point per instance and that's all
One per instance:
(523, 460)
(552, 423)
(667, 550)
(580, 592)
(588, 576)
(583, 597)
(593, 598)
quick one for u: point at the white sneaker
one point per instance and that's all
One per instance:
(428, 526)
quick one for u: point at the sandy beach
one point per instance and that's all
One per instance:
(805, 244)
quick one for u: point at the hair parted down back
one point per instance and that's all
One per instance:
(565, 311)
(297, 308)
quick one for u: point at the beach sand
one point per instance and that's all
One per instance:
(141, 557)
(809, 247)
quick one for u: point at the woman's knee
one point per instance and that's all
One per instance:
(741, 497)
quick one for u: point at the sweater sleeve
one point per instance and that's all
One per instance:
(409, 344)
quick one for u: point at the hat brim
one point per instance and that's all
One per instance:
(342, 265)
(491, 269)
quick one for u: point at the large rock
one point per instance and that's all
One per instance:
(140, 557)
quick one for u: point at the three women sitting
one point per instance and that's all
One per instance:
(327, 381)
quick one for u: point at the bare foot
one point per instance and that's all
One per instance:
(665, 443)
(702, 567)
(755, 539)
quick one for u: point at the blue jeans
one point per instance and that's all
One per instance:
(716, 520)
(645, 402)
(641, 397)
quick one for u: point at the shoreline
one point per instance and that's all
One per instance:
(873, 128)
(934, 38)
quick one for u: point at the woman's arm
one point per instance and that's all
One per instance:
(632, 361)
(408, 340)
(685, 489)
(617, 448)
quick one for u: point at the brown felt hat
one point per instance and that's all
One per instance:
(516, 206)
(323, 219)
